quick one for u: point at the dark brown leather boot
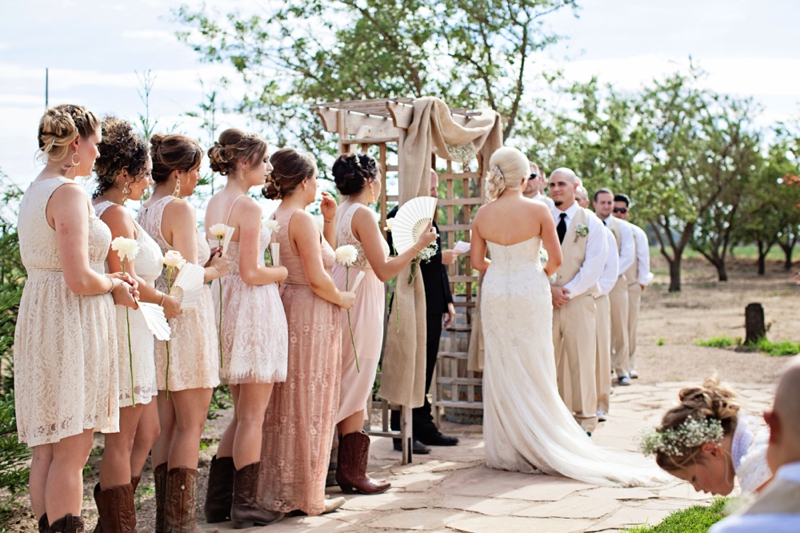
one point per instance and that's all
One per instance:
(68, 524)
(246, 512)
(352, 471)
(44, 525)
(219, 496)
(115, 508)
(160, 482)
(135, 482)
(179, 508)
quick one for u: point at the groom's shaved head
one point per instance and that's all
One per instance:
(565, 173)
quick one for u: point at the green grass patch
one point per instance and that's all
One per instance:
(697, 519)
(661, 341)
(723, 341)
(778, 348)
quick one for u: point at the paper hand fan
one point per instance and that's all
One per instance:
(226, 240)
(357, 281)
(412, 218)
(188, 286)
(156, 321)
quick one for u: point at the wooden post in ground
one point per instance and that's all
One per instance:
(754, 323)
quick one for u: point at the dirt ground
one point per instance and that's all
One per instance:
(669, 325)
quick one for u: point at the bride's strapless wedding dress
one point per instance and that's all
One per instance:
(527, 427)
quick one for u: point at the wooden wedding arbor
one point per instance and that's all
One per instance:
(382, 125)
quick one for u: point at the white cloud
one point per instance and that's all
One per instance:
(150, 35)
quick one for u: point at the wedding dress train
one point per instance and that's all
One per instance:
(527, 427)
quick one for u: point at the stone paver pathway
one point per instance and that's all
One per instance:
(451, 490)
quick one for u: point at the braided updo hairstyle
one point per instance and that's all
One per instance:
(120, 149)
(708, 401)
(233, 146)
(173, 152)
(508, 167)
(353, 172)
(289, 168)
(61, 125)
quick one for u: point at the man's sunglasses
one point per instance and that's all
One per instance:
(622, 210)
(534, 176)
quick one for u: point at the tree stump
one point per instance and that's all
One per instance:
(754, 323)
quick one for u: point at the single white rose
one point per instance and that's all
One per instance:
(125, 248)
(173, 259)
(346, 255)
(389, 224)
(218, 230)
(272, 225)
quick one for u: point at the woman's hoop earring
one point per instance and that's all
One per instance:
(72, 159)
(177, 191)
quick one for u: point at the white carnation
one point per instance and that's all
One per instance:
(125, 248)
(389, 224)
(173, 259)
(272, 225)
(346, 255)
(218, 230)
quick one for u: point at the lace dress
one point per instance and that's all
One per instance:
(65, 371)
(300, 420)
(527, 427)
(749, 454)
(366, 317)
(148, 267)
(193, 347)
(255, 340)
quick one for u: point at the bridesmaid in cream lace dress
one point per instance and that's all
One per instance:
(193, 356)
(124, 171)
(65, 342)
(358, 179)
(254, 332)
(298, 430)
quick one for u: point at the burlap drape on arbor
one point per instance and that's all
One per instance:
(432, 130)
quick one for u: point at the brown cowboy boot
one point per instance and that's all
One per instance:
(246, 512)
(135, 482)
(160, 481)
(44, 525)
(219, 496)
(352, 471)
(179, 508)
(68, 524)
(116, 510)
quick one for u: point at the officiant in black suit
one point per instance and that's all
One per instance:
(440, 313)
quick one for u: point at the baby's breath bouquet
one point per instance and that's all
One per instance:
(126, 250)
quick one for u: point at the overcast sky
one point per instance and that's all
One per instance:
(93, 47)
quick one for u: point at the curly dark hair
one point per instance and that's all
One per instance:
(353, 172)
(233, 146)
(120, 149)
(289, 168)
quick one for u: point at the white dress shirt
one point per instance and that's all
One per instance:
(772, 523)
(626, 255)
(642, 255)
(544, 199)
(611, 270)
(596, 251)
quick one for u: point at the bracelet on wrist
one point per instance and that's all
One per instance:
(327, 221)
(162, 299)
(109, 291)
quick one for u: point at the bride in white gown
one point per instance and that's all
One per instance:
(527, 427)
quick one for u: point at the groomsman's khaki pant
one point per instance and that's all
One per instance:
(574, 343)
(603, 373)
(618, 298)
(634, 301)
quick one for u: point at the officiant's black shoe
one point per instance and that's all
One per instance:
(437, 439)
(418, 449)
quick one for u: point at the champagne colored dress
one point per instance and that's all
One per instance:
(366, 317)
(193, 346)
(298, 429)
(65, 344)
(255, 339)
(148, 267)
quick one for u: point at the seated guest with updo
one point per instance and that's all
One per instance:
(65, 344)
(298, 429)
(124, 171)
(707, 441)
(358, 179)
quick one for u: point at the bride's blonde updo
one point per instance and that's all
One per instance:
(508, 167)
(61, 125)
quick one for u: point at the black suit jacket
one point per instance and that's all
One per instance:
(434, 275)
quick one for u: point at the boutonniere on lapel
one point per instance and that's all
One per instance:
(581, 230)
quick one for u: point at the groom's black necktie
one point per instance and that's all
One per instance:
(561, 229)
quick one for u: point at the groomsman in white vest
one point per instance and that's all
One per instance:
(638, 279)
(618, 297)
(585, 248)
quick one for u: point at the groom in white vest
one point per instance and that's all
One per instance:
(584, 248)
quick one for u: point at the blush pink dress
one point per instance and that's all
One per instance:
(366, 318)
(254, 334)
(298, 428)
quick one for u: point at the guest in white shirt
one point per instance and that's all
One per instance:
(585, 249)
(536, 186)
(777, 509)
(637, 283)
(582, 197)
(618, 298)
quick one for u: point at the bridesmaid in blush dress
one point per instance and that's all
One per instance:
(358, 179)
(298, 430)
